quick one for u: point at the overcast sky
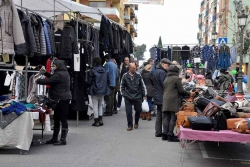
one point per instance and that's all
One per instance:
(176, 22)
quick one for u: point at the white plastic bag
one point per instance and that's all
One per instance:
(145, 107)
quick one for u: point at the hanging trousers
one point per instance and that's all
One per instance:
(61, 114)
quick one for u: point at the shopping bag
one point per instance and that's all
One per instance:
(145, 107)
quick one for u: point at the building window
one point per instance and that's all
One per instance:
(97, 4)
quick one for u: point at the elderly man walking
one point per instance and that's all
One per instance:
(159, 76)
(133, 90)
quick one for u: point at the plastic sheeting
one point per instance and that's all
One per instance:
(47, 7)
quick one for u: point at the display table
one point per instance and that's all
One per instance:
(18, 133)
(186, 134)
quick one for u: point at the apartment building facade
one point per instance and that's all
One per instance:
(213, 13)
(125, 15)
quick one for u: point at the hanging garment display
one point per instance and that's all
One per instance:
(176, 54)
(212, 61)
(196, 52)
(185, 53)
(11, 30)
(105, 34)
(170, 53)
(207, 52)
(69, 43)
(224, 57)
(233, 52)
(29, 47)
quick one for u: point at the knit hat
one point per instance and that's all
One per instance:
(173, 68)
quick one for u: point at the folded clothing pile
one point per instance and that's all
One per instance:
(16, 107)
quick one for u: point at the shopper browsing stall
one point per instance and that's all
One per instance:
(59, 91)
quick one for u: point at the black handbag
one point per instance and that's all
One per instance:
(219, 121)
(200, 123)
(53, 103)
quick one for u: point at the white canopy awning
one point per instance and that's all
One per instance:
(47, 7)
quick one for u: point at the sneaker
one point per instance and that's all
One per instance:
(118, 108)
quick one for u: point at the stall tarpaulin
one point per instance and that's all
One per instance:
(47, 7)
(150, 2)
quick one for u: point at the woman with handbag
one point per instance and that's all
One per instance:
(60, 95)
(98, 83)
(173, 90)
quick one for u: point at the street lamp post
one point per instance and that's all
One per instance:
(242, 24)
(214, 37)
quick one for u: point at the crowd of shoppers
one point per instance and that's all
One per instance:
(109, 84)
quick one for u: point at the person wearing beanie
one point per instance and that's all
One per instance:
(224, 80)
(59, 91)
(173, 90)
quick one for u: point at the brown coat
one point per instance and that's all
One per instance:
(173, 90)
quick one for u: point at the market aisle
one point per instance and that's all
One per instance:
(110, 146)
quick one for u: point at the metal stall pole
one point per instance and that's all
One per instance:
(77, 112)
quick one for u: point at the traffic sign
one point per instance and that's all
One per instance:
(222, 40)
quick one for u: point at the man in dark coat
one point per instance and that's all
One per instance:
(133, 90)
(159, 76)
(173, 90)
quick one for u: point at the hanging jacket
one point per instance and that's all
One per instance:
(29, 47)
(50, 27)
(47, 39)
(207, 52)
(13, 34)
(224, 61)
(69, 43)
(34, 24)
(105, 34)
(41, 35)
(98, 81)
(159, 76)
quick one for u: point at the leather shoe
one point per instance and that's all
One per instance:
(136, 126)
(107, 114)
(158, 134)
(129, 128)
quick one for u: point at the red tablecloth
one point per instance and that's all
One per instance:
(217, 136)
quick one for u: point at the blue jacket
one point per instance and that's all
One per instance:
(159, 76)
(98, 81)
(111, 68)
(46, 33)
(224, 61)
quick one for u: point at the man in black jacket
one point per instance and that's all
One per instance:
(133, 90)
(159, 76)
(123, 69)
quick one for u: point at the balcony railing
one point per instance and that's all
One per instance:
(131, 23)
(126, 17)
(207, 12)
(214, 17)
(200, 25)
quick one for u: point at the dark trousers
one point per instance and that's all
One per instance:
(149, 99)
(115, 101)
(169, 121)
(61, 114)
(110, 100)
(119, 99)
(137, 106)
(158, 120)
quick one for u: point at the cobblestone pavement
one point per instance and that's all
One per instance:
(113, 146)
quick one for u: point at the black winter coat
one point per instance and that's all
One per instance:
(29, 47)
(149, 82)
(59, 85)
(133, 87)
(159, 76)
(106, 34)
(69, 43)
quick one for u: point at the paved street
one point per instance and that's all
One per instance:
(112, 146)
